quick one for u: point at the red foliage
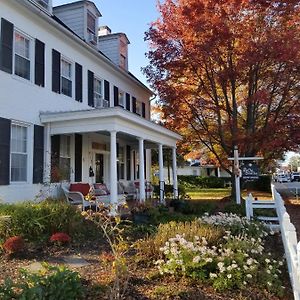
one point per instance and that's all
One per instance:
(107, 257)
(60, 237)
(227, 73)
(14, 244)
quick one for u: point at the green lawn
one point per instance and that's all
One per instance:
(208, 194)
(218, 194)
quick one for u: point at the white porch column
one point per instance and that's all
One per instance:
(161, 174)
(175, 183)
(132, 164)
(47, 154)
(142, 170)
(113, 172)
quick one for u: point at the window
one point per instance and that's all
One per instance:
(121, 163)
(22, 56)
(19, 153)
(122, 61)
(98, 93)
(66, 77)
(65, 157)
(121, 98)
(91, 23)
(138, 108)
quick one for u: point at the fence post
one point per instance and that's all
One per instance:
(249, 208)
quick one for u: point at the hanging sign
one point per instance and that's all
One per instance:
(250, 171)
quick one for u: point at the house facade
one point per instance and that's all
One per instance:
(70, 110)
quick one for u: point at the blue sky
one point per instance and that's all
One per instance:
(131, 17)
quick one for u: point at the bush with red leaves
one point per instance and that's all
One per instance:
(60, 238)
(14, 244)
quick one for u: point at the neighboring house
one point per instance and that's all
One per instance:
(69, 108)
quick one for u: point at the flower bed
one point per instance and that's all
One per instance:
(238, 259)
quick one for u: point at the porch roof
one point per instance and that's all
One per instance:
(108, 119)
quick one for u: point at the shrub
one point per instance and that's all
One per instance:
(169, 191)
(49, 283)
(14, 244)
(190, 181)
(60, 238)
(38, 221)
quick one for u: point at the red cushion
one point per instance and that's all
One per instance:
(83, 188)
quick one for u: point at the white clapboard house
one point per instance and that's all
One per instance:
(69, 108)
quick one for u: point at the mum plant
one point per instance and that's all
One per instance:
(14, 245)
(60, 238)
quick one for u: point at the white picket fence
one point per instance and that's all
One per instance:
(288, 233)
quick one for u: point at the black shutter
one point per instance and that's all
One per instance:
(6, 46)
(78, 82)
(127, 101)
(5, 127)
(91, 88)
(128, 160)
(55, 71)
(38, 154)
(143, 110)
(116, 96)
(78, 157)
(39, 78)
(55, 152)
(106, 91)
(134, 104)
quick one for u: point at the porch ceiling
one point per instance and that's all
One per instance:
(106, 120)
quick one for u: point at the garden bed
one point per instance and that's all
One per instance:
(143, 278)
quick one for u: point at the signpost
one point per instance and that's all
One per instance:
(248, 170)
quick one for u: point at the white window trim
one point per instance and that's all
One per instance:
(72, 76)
(31, 56)
(29, 150)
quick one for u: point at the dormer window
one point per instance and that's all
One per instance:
(91, 23)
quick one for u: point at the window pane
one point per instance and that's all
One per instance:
(22, 67)
(64, 168)
(91, 22)
(66, 69)
(97, 86)
(18, 167)
(66, 87)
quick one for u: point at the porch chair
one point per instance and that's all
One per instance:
(102, 193)
(75, 194)
(130, 191)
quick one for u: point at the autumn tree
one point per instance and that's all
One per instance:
(227, 73)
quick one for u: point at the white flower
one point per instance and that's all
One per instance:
(196, 259)
(249, 276)
(213, 275)
(267, 260)
(229, 276)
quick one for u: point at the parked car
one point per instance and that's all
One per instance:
(282, 178)
(295, 176)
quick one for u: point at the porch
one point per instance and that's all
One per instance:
(107, 145)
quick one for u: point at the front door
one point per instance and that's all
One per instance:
(99, 167)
